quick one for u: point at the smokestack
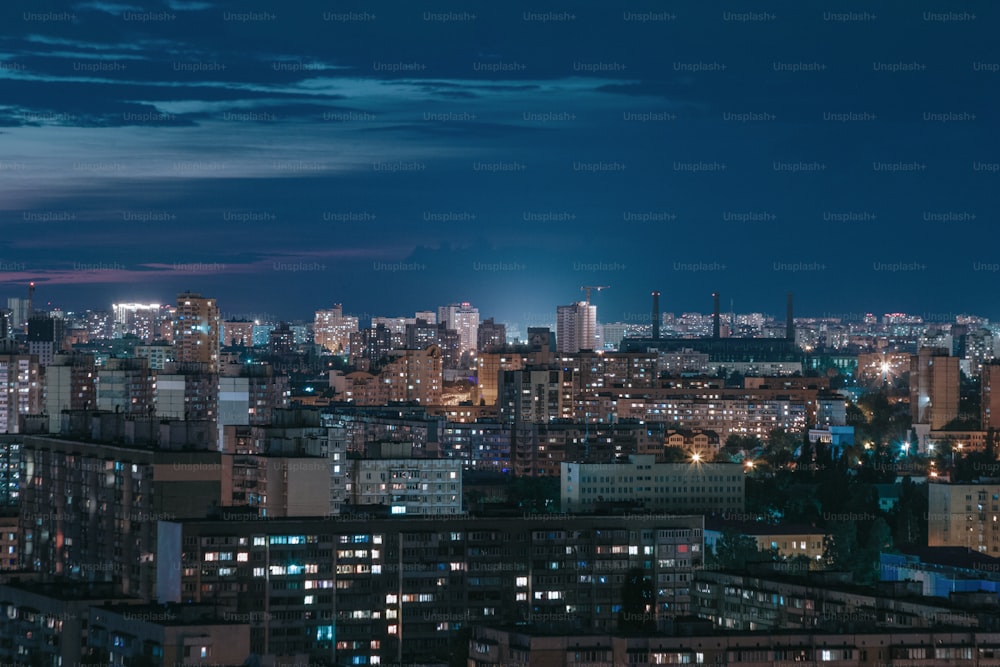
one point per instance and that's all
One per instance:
(789, 321)
(656, 316)
(715, 315)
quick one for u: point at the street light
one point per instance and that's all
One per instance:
(696, 458)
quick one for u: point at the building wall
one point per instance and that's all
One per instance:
(10, 532)
(197, 331)
(761, 603)
(678, 487)
(991, 396)
(381, 579)
(408, 486)
(964, 515)
(934, 386)
(866, 648)
(21, 392)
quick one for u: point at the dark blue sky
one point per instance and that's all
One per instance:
(286, 156)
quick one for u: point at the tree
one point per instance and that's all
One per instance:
(907, 518)
(675, 455)
(735, 551)
(854, 546)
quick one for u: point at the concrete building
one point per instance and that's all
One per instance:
(21, 392)
(251, 397)
(368, 591)
(990, 404)
(20, 311)
(576, 328)
(964, 515)
(934, 387)
(491, 336)
(464, 319)
(413, 376)
(10, 539)
(672, 487)
(488, 367)
(406, 376)
(192, 395)
(89, 511)
(686, 360)
(45, 338)
(534, 394)
(370, 345)
(10, 470)
(141, 320)
(126, 386)
(168, 635)
(774, 602)
(197, 331)
(237, 333)
(70, 384)
(423, 487)
(159, 354)
(421, 334)
(47, 623)
(692, 644)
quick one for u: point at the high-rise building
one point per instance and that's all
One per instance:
(991, 396)
(137, 319)
(237, 332)
(428, 316)
(934, 387)
(20, 390)
(491, 336)
(333, 329)
(576, 328)
(420, 334)
(19, 312)
(45, 337)
(281, 340)
(964, 515)
(70, 384)
(196, 331)
(464, 319)
(125, 385)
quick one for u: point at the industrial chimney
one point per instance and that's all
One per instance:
(789, 321)
(656, 316)
(716, 315)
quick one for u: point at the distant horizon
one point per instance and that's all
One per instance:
(638, 318)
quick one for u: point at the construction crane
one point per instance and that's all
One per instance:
(587, 288)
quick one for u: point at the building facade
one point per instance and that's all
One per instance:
(670, 487)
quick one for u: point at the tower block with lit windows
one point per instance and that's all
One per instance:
(196, 331)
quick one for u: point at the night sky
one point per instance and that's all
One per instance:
(397, 156)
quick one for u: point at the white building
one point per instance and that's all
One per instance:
(576, 328)
(332, 329)
(464, 319)
(687, 488)
(407, 486)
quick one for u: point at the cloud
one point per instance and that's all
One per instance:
(107, 7)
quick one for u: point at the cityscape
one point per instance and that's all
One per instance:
(340, 333)
(184, 488)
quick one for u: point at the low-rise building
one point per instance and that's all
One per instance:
(900, 647)
(671, 487)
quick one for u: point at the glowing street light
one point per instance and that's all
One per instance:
(696, 458)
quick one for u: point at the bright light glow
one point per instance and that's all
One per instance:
(696, 457)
